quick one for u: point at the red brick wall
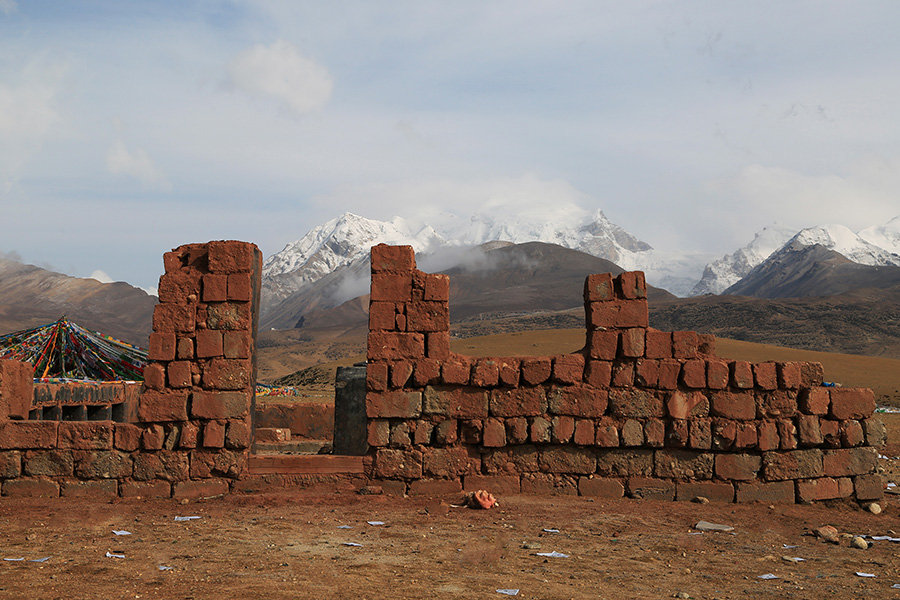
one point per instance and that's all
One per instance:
(637, 411)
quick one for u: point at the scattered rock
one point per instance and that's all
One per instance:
(531, 545)
(859, 542)
(681, 594)
(874, 508)
(371, 490)
(828, 533)
(699, 500)
(707, 526)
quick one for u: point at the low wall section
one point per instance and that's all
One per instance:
(636, 411)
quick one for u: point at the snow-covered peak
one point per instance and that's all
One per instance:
(886, 236)
(843, 241)
(728, 270)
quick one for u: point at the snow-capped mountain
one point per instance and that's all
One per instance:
(843, 241)
(886, 236)
(728, 270)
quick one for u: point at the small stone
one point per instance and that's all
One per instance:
(700, 500)
(707, 526)
(859, 542)
(681, 595)
(847, 536)
(371, 490)
(874, 508)
(828, 533)
(531, 545)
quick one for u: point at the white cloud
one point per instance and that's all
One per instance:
(101, 276)
(8, 6)
(279, 71)
(135, 163)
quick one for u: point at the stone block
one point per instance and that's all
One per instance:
(825, 488)
(563, 429)
(213, 434)
(240, 288)
(28, 434)
(631, 342)
(398, 259)
(194, 490)
(632, 433)
(437, 345)
(741, 374)
(90, 490)
(683, 464)
(852, 403)
(669, 369)
(733, 405)
(868, 487)
(162, 346)
(215, 287)
(764, 376)
(396, 345)
(658, 344)
(603, 344)
(518, 402)
(493, 433)
(535, 370)
(650, 489)
(398, 464)
(512, 460)
(104, 464)
(850, 461)
(567, 460)
(634, 402)
(231, 256)
(454, 402)
(778, 492)
(86, 435)
(238, 435)
(625, 462)
(788, 375)
(162, 406)
(693, 373)
(577, 401)
(631, 284)
(427, 316)
(145, 489)
(584, 432)
(685, 344)
(599, 288)
(49, 463)
(623, 374)
(687, 405)
(445, 462)
(485, 373)
(646, 373)
(598, 373)
(600, 487)
(568, 369)
(737, 467)
(30, 488)
(797, 464)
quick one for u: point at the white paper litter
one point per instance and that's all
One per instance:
(510, 592)
(14, 559)
(896, 586)
(695, 533)
(354, 544)
(121, 532)
(111, 555)
(375, 522)
(550, 530)
(787, 546)
(345, 526)
(767, 576)
(40, 560)
(861, 574)
(795, 559)
(553, 554)
(164, 568)
(885, 538)
(191, 518)
(891, 484)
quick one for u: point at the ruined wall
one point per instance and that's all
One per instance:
(190, 433)
(636, 411)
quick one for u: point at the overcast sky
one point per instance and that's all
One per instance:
(128, 128)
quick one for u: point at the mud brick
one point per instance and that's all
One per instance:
(434, 487)
(381, 316)
(437, 287)
(631, 284)
(213, 434)
(239, 287)
(568, 368)
(104, 464)
(738, 467)
(683, 464)
(602, 344)
(812, 374)
(658, 344)
(746, 436)
(401, 371)
(539, 430)
(578, 401)
(814, 401)
(227, 374)
(518, 402)
(426, 371)
(184, 349)
(600, 487)
(517, 430)
(741, 374)
(493, 434)
(392, 345)
(378, 432)
(622, 462)
(851, 434)
(207, 488)
(646, 373)
(585, 434)
(179, 374)
(808, 430)
(788, 375)
(778, 403)
(623, 374)
(535, 370)
(162, 346)
(496, 484)
(831, 432)
(509, 371)
(631, 342)
(850, 461)
(685, 405)
(825, 488)
(400, 322)
(437, 345)
(152, 438)
(422, 433)
(396, 404)
(724, 433)
(398, 464)
(518, 459)
(209, 343)
(155, 376)
(787, 431)
(174, 317)
(852, 403)
(91, 490)
(607, 434)
(126, 437)
(376, 377)
(178, 286)
(455, 401)
(733, 405)
(238, 435)
(548, 484)
(400, 434)
(230, 256)
(215, 287)
(868, 487)
(598, 373)
(237, 344)
(427, 316)
(650, 489)
(797, 464)
(563, 429)
(876, 433)
(654, 433)
(779, 492)
(707, 344)
(485, 373)
(189, 435)
(456, 371)
(619, 314)
(579, 461)
(669, 369)
(633, 402)
(86, 435)
(392, 258)
(599, 288)
(49, 463)
(229, 316)
(767, 436)
(391, 287)
(764, 376)
(712, 491)
(677, 434)
(30, 488)
(10, 464)
(632, 433)
(717, 374)
(685, 344)
(693, 373)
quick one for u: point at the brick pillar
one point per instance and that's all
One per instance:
(614, 306)
(202, 369)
